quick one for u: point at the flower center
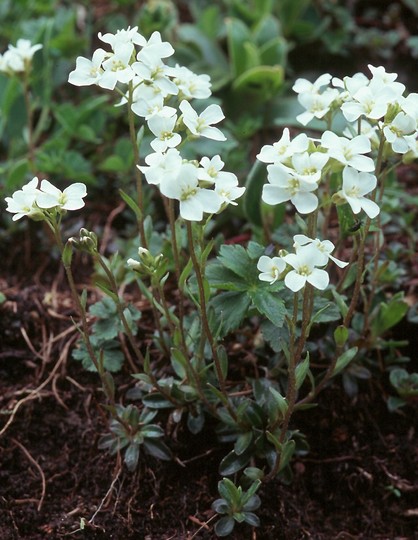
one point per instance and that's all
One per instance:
(188, 193)
(304, 270)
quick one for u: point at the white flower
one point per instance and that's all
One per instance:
(270, 268)
(116, 69)
(367, 102)
(22, 202)
(304, 263)
(155, 49)
(316, 105)
(283, 186)
(382, 80)
(148, 100)
(69, 199)
(303, 86)
(409, 105)
(124, 39)
(87, 71)
(162, 167)
(283, 149)
(355, 186)
(201, 125)
(349, 151)
(190, 85)
(211, 170)
(400, 132)
(163, 128)
(17, 58)
(324, 247)
(350, 85)
(194, 200)
(153, 70)
(308, 167)
(229, 190)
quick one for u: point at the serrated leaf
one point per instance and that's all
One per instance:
(269, 304)
(231, 307)
(223, 278)
(236, 258)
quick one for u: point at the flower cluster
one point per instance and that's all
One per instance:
(161, 94)
(377, 104)
(377, 115)
(18, 58)
(303, 266)
(32, 201)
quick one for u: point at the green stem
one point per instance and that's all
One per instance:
(29, 113)
(204, 318)
(138, 176)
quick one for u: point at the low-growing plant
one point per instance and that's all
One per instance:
(320, 316)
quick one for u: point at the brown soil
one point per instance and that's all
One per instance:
(359, 480)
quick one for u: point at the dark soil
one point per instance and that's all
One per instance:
(359, 480)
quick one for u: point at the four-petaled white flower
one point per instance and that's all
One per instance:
(87, 71)
(324, 247)
(355, 186)
(18, 58)
(69, 199)
(400, 132)
(189, 84)
(194, 200)
(305, 264)
(270, 268)
(200, 125)
(229, 190)
(22, 202)
(211, 171)
(283, 149)
(283, 186)
(349, 151)
(162, 167)
(163, 128)
(316, 105)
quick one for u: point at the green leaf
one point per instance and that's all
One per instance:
(269, 304)
(132, 204)
(179, 363)
(287, 452)
(231, 307)
(131, 456)
(279, 401)
(232, 463)
(252, 196)
(236, 258)
(224, 526)
(344, 360)
(341, 335)
(223, 360)
(389, 315)
(237, 35)
(261, 82)
(243, 442)
(252, 519)
(222, 278)
(156, 401)
(157, 449)
(228, 490)
(301, 371)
